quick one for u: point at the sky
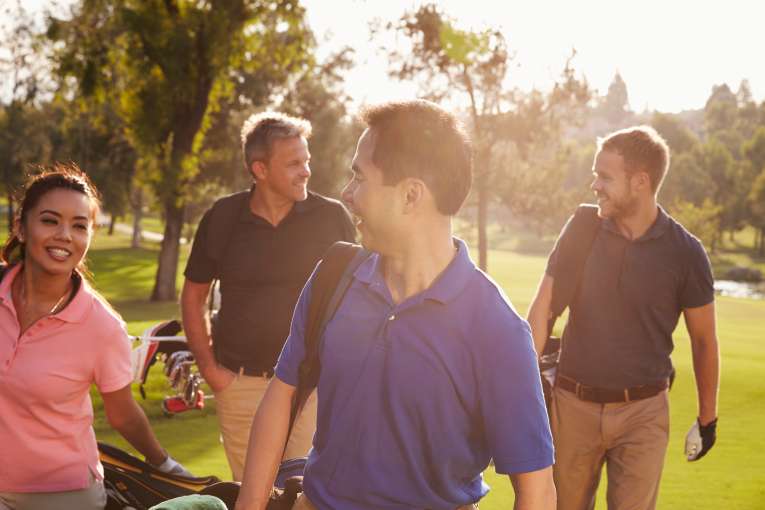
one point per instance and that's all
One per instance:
(670, 53)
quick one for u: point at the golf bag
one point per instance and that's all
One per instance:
(131, 483)
(163, 341)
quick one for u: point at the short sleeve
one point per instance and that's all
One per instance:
(112, 368)
(513, 411)
(293, 352)
(552, 260)
(698, 287)
(201, 268)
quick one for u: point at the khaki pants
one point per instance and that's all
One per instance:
(236, 406)
(630, 438)
(302, 503)
(92, 498)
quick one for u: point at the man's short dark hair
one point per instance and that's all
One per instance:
(643, 149)
(422, 140)
(261, 129)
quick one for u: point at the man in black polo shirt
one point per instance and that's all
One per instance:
(643, 271)
(262, 246)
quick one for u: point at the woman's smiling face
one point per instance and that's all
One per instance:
(57, 231)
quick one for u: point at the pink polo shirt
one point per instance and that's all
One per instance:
(47, 441)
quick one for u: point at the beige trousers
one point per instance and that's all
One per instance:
(630, 438)
(92, 498)
(236, 406)
(302, 503)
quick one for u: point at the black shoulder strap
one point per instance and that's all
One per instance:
(575, 246)
(222, 222)
(333, 277)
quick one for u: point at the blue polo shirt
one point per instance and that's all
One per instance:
(415, 399)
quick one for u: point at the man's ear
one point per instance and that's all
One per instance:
(258, 170)
(414, 192)
(641, 181)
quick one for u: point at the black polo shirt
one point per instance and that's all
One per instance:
(262, 271)
(619, 331)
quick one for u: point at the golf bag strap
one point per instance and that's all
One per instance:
(333, 277)
(574, 247)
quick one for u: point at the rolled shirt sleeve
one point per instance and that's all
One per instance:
(112, 370)
(515, 419)
(698, 287)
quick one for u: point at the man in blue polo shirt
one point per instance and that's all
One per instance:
(644, 270)
(427, 372)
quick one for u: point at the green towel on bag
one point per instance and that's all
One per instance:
(192, 502)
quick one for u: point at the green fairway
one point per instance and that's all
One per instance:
(732, 476)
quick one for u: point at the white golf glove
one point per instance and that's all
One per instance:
(173, 467)
(700, 439)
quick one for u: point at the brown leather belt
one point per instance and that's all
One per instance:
(609, 396)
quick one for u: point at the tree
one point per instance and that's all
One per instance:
(317, 96)
(679, 138)
(174, 63)
(22, 68)
(616, 102)
(757, 201)
(721, 116)
(753, 151)
(443, 59)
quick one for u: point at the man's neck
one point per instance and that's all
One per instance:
(270, 206)
(637, 224)
(413, 266)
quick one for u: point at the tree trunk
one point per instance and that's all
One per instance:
(137, 203)
(762, 242)
(164, 285)
(112, 222)
(483, 207)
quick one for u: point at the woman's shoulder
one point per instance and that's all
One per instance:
(101, 314)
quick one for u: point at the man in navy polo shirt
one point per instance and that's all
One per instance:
(643, 271)
(427, 371)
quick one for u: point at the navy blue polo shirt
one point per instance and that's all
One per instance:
(415, 399)
(632, 292)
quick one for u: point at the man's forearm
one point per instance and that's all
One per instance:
(196, 326)
(534, 490)
(537, 319)
(539, 313)
(706, 367)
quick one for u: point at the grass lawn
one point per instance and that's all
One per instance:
(732, 476)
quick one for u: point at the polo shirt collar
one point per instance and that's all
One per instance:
(300, 207)
(445, 288)
(73, 312)
(656, 230)
(659, 226)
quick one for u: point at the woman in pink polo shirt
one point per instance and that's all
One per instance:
(57, 337)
